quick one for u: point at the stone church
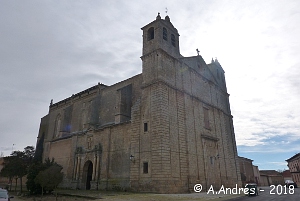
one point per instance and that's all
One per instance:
(163, 130)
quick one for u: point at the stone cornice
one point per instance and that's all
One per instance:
(111, 125)
(209, 137)
(161, 51)
(86, 132)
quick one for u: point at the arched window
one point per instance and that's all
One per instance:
(150, 33)
(173, 40)
(57, 126)
(165, 34)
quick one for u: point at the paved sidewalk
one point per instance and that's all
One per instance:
(118, 196)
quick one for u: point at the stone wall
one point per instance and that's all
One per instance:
(246, 169)
(81, 144)
(179, 147)
(164, 130)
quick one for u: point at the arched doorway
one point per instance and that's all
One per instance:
(87, 174)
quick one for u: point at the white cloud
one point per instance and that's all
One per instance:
(53, 50)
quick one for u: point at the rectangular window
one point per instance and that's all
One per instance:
(145, 127)
(206, 118)
(145, 168)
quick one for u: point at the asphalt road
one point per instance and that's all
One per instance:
(274, 194)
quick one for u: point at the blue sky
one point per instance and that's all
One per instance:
(53, 49)
(272, 154)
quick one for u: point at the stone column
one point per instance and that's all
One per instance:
(97, 167)
(94, 167)
(75, 167)
(78, 168)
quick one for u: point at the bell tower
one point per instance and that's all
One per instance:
(158, 148)
(160, 50)
(161, 34)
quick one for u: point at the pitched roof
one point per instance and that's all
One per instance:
(286, 173)
(269, 172)
(293, 157)
(244, 158)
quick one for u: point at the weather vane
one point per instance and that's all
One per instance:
(166, 11)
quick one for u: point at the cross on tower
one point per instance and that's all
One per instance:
(166, 11)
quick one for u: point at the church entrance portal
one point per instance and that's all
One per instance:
(87, 174)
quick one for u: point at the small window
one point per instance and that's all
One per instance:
(173, 40)
(211, 160)
(145, 127)
(145, 168)
(150, 33)
(165, 34)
